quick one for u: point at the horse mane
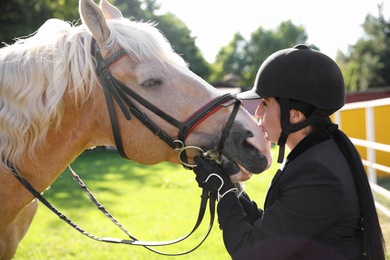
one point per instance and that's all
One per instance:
(36, 72)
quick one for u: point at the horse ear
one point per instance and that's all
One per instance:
(110, 11)
(93, 18)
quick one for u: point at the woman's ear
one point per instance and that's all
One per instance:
(296, 116)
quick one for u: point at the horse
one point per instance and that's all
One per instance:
(53, 106)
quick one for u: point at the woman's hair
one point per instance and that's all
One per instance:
(373, 242)
(304, 107)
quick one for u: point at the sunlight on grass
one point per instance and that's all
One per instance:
(156, 203)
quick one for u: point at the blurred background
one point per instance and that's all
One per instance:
(225, 42)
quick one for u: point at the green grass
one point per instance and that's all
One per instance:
(155, 203)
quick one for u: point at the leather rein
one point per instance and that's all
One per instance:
(114, 89)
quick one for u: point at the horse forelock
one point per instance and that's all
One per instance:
(36, 72)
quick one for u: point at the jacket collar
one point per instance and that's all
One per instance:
(316, 137)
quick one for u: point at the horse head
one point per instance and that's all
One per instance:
(54, 105)
(155, 72)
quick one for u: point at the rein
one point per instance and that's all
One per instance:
(133, 240)
(115, 90)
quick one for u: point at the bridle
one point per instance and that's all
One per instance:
(114, 89)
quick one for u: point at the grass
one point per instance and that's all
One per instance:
(155, 203)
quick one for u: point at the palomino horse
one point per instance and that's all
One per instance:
(53, 107)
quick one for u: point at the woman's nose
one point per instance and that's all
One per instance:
(259, 113)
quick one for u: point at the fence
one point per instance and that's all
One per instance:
(377, 134)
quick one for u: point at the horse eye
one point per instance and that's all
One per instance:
(151, 83)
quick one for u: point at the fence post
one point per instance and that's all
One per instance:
(370, 136)
(337, 118)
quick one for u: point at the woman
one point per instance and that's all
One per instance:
(319, 204)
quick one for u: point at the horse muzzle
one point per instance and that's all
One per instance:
(240, 156)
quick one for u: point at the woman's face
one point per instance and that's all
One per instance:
(268, 113)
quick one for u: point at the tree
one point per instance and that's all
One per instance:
(176, 32)
(229, 58)
(22, 17)
(136, 9)
(368, 63)
(183, 43)
(244, 58)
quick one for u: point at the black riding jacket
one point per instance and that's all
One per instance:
(311, 210)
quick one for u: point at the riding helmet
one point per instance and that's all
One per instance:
(299, 74)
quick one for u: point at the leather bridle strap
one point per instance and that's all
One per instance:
(134, 241)
(206, 195)
(113, 88)
(204, 112)
(228, 126)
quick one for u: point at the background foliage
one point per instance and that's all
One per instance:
(368, 63)
(365, 65)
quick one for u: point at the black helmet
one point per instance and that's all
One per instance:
(302, 74)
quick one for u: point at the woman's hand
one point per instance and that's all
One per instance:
(212, 177)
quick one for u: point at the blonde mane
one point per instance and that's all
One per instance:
(37, 71)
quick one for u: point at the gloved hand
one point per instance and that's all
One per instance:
(212, 177)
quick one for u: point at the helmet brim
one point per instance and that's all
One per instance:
(248, 95)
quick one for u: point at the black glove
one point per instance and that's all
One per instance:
(212, 177)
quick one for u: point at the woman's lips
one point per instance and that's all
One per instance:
(264, 131)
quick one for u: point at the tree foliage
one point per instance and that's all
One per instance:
(183, 43)
(177, 33)
(243, 57)
(22, 17)
(368, 63)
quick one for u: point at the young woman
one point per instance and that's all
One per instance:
(319, 204)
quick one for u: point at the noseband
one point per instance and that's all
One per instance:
(115, 89)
